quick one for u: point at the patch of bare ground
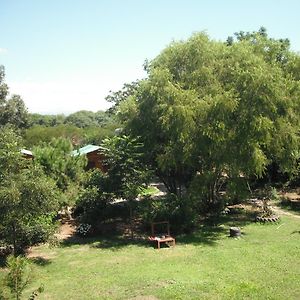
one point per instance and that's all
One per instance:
(66, 231)
(281, 212)
(290, 203)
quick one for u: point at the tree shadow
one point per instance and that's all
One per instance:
(296, 231)
(216, 227)
(116, 243)
(208, 233)
(2, 261)
(40, 261)
(292, 206)
(112, 241)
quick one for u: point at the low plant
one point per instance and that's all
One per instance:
(83, 229)
(19, 276)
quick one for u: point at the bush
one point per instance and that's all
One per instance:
(92, 206)
(200, 195)
(83, 229)
(28, 203)
(236, 190)
(179, 212)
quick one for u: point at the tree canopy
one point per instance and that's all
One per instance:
(12, 109)
(210, 108)
(28, 198)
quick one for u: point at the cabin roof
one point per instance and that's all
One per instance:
(86, 149)
(26, 152)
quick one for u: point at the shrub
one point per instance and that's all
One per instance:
(83, 229)
(92, 206)
(178, 211)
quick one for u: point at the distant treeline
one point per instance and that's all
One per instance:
(82, 127)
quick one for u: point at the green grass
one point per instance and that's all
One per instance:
(263, 264)
(150, 191)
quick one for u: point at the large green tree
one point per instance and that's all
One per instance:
(28, 198)
(210, 108)
(12, 109)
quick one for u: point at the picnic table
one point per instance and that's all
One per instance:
(163, 237)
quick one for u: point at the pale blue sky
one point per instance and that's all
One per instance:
(65, 55)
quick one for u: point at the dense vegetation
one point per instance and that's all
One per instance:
(218, 116)
(213, 121)
(29, 199)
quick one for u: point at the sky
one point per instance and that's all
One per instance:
(62, 56)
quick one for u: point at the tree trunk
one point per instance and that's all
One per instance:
(14, 239)
(131, 220)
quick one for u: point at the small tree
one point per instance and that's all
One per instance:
(126, 172)
(58, 163)
(19, 276)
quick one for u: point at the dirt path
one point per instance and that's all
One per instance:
(281, 212)
(66, 230)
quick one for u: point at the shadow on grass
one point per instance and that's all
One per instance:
(112, 242)
(292, 206)
(2, 262)
(216, 228)
(208, 233)
(116, 243)
(40, 261)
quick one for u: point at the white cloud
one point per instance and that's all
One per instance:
(71, 94)
(3, 51)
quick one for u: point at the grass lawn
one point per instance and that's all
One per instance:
(150, 191)
(263, 264)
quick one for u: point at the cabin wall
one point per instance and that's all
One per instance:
(95, 160)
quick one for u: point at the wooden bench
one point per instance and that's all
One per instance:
(163, 237)
(166, 240)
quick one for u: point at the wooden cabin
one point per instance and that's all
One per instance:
(27, 154)
(94, 155)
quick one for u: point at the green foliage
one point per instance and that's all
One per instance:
(19, 275)
(17, 279)
(46, 120)
(27, 196)
(92, 206)
(11, 160)
(237, 190)
(182, 213)
(126, 171)
(79, 119)
(126, 177)
(84, 118)
(118, 97)
(58, 163)
(39, 135)
(208, 108)
(95, 203)
(95, 135)
(12, 110)
(26, 200)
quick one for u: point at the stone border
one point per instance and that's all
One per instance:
(267, 219)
